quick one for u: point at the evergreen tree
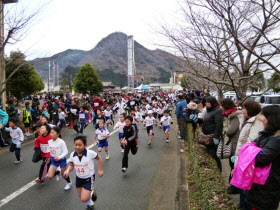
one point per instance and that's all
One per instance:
(87, 80)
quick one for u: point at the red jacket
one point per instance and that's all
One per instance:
(42, 142)
(97, 104)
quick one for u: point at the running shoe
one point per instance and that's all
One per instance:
(107, 157)
(18, 161)
(167, 141)
(39, 181)
(124, 170)
(149, 144)
(122, 151)
(179, 137)
(93, 196)
(68, 186)
(58, 176)
(90, 207)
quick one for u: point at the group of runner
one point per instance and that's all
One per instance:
(123, 112)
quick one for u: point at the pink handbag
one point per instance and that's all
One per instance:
(245, 173)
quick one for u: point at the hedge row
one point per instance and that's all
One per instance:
(205, 183)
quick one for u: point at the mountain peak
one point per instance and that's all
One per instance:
(109, 58)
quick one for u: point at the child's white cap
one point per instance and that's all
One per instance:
(150, 112)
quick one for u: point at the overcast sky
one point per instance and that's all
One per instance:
(81, 24)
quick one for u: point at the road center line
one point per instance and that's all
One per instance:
(32, 183)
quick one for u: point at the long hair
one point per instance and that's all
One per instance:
(272, 114)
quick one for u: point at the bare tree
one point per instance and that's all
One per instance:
(228, 42)
(15, 23)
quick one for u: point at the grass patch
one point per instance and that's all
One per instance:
(205, 183)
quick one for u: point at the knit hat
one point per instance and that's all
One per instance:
(192, 106)
(197, 92)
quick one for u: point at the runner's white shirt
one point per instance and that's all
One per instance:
(120, 125)
(58, 148)
(166, 120)
(149, 121)
(85, 167)
(108, 113)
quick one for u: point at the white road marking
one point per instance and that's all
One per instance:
(32, 183)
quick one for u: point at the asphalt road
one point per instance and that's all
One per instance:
(115, 189)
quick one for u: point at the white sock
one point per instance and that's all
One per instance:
(89, 202)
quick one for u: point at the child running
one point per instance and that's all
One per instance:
(61, 117)
(129, 141)
(149, 123)
(58, 151)
(165, 121)
(42, 143)
(120, 125)
(83, 119)
(17, 139)
(98, 117)
(82, 160)
(108, 115)
(102, 135)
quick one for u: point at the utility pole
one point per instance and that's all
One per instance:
(2, 52)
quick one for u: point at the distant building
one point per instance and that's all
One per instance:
(109, 86)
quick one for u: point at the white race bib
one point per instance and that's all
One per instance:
(132, 103)
(82, 169)
(74, 111)
(82, 116)
(95, 104)
(45, 148)
(54, 151)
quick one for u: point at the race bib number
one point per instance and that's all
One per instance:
(45, 148)
(149, 122)
(82, 170)
(96, 104)
(54, 151)
(74, 111)
(132, 103)
(82, 116)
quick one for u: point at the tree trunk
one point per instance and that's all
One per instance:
(220, 95)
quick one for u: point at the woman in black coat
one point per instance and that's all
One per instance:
(267, 196)
(213, 124)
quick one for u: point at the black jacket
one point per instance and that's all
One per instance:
(213, 123)
(267, 196)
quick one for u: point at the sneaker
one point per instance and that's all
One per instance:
(107, 157)
(58, 176)
(68, 186)
(167, 141)
(18, 161)
(90, 207)
(179, 137)
(124, 170)
(122, 151)
(149, 144)
(39, 181)
(28, 134)
(93, 196)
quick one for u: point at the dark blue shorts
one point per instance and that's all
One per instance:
(62, 162)
(120, 136)
(87, 183)
(103, 143)
(62, 122)
(150, 128)
(108, 118)
(166, 127)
